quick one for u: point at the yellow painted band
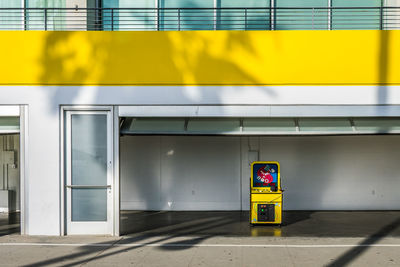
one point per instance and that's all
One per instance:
(200, 58)
(267, 198)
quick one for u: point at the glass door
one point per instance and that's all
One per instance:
(89, 194)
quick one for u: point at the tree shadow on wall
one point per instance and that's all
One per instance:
(77, 59)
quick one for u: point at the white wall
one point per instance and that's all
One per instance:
(43, 184)
(337, 173)
(392, 16)
(74, 3)
(76, 20)
(180, 173)
(203, 173)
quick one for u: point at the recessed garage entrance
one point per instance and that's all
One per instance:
(204, 164)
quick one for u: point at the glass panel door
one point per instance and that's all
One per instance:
(88, 172)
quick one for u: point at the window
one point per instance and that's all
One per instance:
(356, 18)
(302, 18)
(244, 19)
(49, 19)
(187, 18)
(142, 16)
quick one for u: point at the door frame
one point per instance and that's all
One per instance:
(114, 131)
(23, 177)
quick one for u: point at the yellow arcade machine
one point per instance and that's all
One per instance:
(265, 193)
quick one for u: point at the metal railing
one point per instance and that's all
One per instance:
(180, 19)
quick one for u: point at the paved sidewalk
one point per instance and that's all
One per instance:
(218, 239)
(197, 251)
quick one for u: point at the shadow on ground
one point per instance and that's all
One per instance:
(162, 228)
(236, 223)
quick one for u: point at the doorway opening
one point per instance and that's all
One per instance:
(10, 204)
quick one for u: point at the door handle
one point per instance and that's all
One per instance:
(89, 186)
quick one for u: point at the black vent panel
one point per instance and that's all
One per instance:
(266, 213)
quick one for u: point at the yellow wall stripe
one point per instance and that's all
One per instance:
(200, 58)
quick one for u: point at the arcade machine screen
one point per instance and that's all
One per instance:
(265, 175)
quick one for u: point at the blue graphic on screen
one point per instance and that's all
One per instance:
(265, 175)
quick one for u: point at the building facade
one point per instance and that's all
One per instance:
(162, 105)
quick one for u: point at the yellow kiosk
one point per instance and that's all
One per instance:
(265, 193)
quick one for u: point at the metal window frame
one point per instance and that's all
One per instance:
(330, 14)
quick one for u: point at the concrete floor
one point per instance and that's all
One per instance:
(220, 239)
(236, 223)
(9, 223)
